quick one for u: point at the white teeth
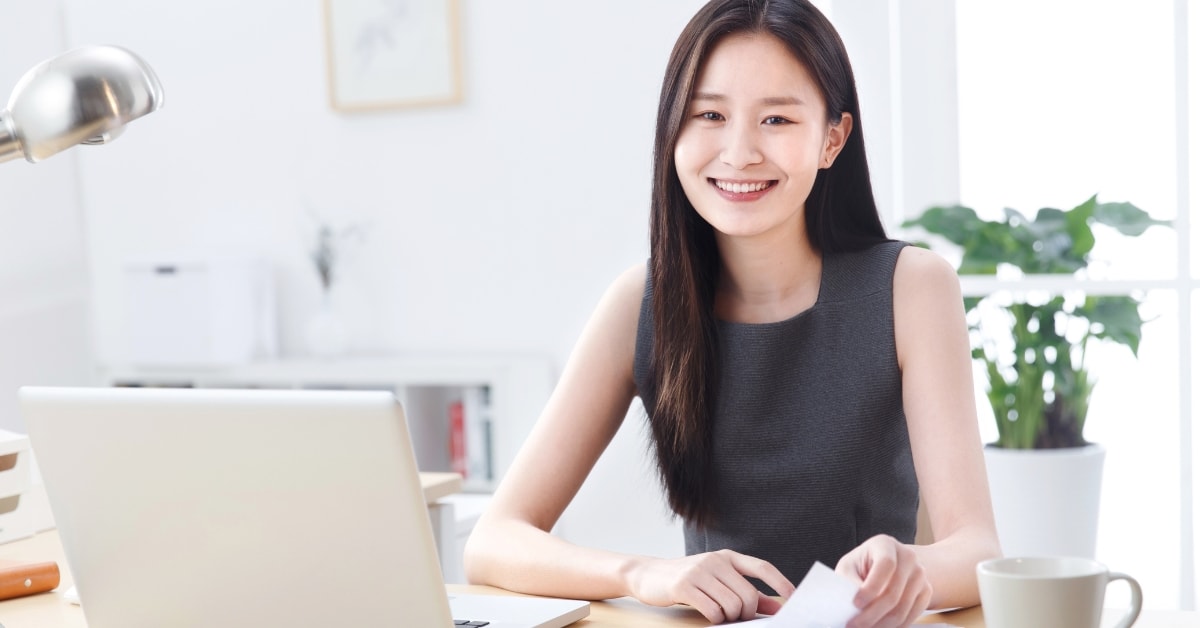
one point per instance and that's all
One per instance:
(741, 188)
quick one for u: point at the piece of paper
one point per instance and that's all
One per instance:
(823, 599)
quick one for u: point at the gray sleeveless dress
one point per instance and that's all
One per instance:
(811, 451)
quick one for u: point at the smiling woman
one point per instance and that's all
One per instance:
(804, 377)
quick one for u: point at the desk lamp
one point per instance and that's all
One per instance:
(82, 96)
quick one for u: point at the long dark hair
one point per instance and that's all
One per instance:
(840, 215)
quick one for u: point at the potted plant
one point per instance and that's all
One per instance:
(1044, 476)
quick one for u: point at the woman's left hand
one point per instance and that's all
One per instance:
(893, 590)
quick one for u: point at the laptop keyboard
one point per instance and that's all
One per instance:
(457, 622)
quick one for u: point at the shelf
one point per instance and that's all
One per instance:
(517, 389)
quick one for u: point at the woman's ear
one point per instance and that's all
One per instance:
(835, 139)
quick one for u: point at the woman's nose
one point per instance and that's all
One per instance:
(741, 147)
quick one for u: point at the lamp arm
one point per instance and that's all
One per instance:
(10, 146)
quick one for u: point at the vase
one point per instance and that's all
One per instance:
(1047, 501)
(326, 334)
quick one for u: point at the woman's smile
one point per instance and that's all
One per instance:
(741, 191)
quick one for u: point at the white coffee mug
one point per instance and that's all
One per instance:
(1048, 592)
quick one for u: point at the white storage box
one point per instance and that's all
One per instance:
(15, 520)
(199, 312)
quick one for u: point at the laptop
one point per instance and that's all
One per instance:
(214, 508)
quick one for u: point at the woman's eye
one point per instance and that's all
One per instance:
(774, 120)
(711, 116)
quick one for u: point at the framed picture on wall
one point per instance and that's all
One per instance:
(392, 53)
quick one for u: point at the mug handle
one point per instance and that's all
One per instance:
(1135, 598)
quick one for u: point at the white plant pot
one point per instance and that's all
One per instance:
(326, 335)
(1047, 501)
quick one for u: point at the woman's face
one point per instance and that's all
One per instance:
(755, 135)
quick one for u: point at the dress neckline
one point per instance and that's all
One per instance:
(822, 283)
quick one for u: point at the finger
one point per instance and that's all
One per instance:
(887, 613)
(706, 605)
(879, 607)
(880, 571)
(886, 610)
(741, 587)
(899, 597)
(920, 603)
(768, 605)
(698, 599)
(727, 596)
(763, 570)
(848, 567)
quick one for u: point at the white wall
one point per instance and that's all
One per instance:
(494, 225)
(43, 287)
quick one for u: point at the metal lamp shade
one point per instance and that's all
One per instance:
(82, 96)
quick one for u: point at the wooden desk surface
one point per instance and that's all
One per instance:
(439, 485)
(630, 612)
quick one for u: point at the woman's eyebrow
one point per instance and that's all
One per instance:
(770, 101)
(781, 100)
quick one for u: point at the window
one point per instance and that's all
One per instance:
(1062, 99)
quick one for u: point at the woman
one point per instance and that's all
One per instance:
(801, 373)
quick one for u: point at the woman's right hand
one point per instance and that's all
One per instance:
(713, 583)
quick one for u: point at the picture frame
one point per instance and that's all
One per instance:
(392, 53)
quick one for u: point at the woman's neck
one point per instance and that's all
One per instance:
(767, 281)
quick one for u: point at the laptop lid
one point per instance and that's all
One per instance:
(231, 508)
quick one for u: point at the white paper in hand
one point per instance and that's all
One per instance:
(823, 599)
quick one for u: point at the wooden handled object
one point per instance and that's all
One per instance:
(17, 578)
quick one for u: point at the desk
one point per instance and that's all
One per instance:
(439, 485)
(51, 610)
(630, 612)
(441, 517)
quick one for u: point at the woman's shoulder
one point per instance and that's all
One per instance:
(633, 277)
(621, 304)
(926, 290)
(917, 266)
(630, 286)
(610, 337)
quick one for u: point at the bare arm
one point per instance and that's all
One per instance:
(898, 582)
(511, 546)
(939, 401)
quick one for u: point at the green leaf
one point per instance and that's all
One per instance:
(955, 223)
(1050, 219)
(990, 244)
(1086, 209)
(1118, 317)
(1126, 218)
(1014, 218)
(1079, 226)
(1055, 242)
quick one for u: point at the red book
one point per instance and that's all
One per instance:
(458, 439)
